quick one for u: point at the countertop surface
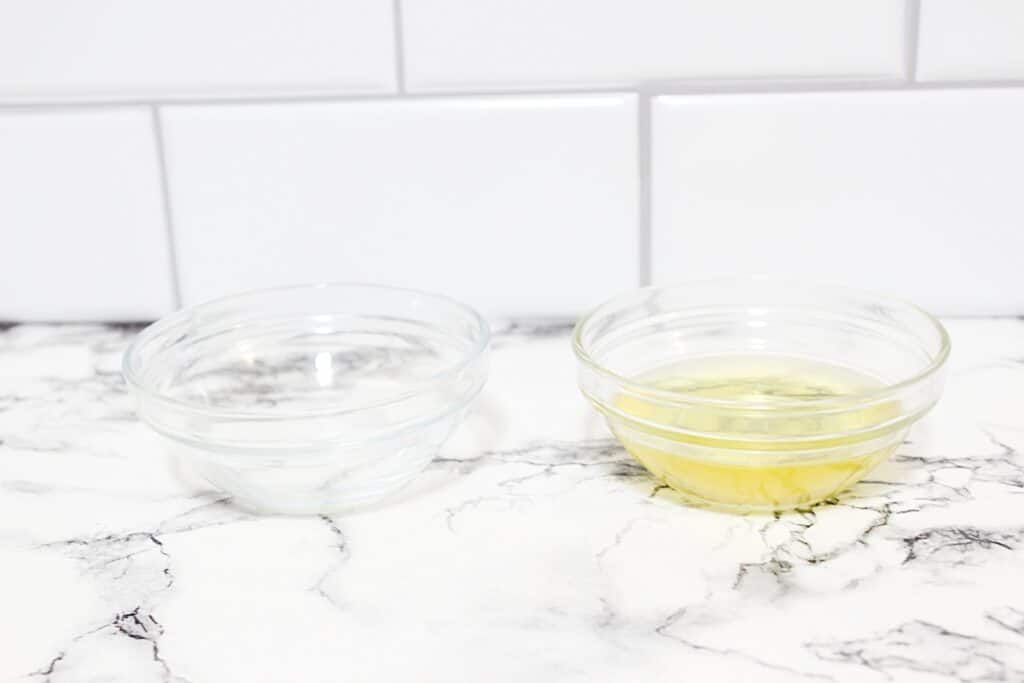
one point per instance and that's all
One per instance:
(533, 549)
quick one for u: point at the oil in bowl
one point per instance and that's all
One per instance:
(755, 461)
(758, 396)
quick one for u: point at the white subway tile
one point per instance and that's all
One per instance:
(117, 49)
(515, 204)
(495, 44)
(82, 234)
(980, 39)
(914, 193)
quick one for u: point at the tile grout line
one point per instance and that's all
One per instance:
(398, 28)
(650, 89)
(644, 206)
(310, 97)
(912, 39)
(7, 323)
(165, 192)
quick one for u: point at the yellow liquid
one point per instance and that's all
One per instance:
(772, 455)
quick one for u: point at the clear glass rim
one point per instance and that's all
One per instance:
(156, 329)
(648, 391)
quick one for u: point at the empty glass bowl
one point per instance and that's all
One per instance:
(310, 399)
(755, 395)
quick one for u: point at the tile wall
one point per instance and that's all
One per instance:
(529, 157)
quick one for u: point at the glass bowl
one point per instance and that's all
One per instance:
(310, 399)
(757, 395)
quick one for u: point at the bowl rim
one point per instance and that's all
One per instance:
(681, 397)
(155, 329)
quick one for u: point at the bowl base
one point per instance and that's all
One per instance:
(303, 503)
(756, 488)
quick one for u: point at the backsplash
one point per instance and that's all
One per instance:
(531, 158)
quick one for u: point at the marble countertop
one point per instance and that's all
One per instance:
(533, 549)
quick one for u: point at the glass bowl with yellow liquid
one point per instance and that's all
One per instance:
(758, 395)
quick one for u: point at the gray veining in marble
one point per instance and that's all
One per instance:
(532, 549)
